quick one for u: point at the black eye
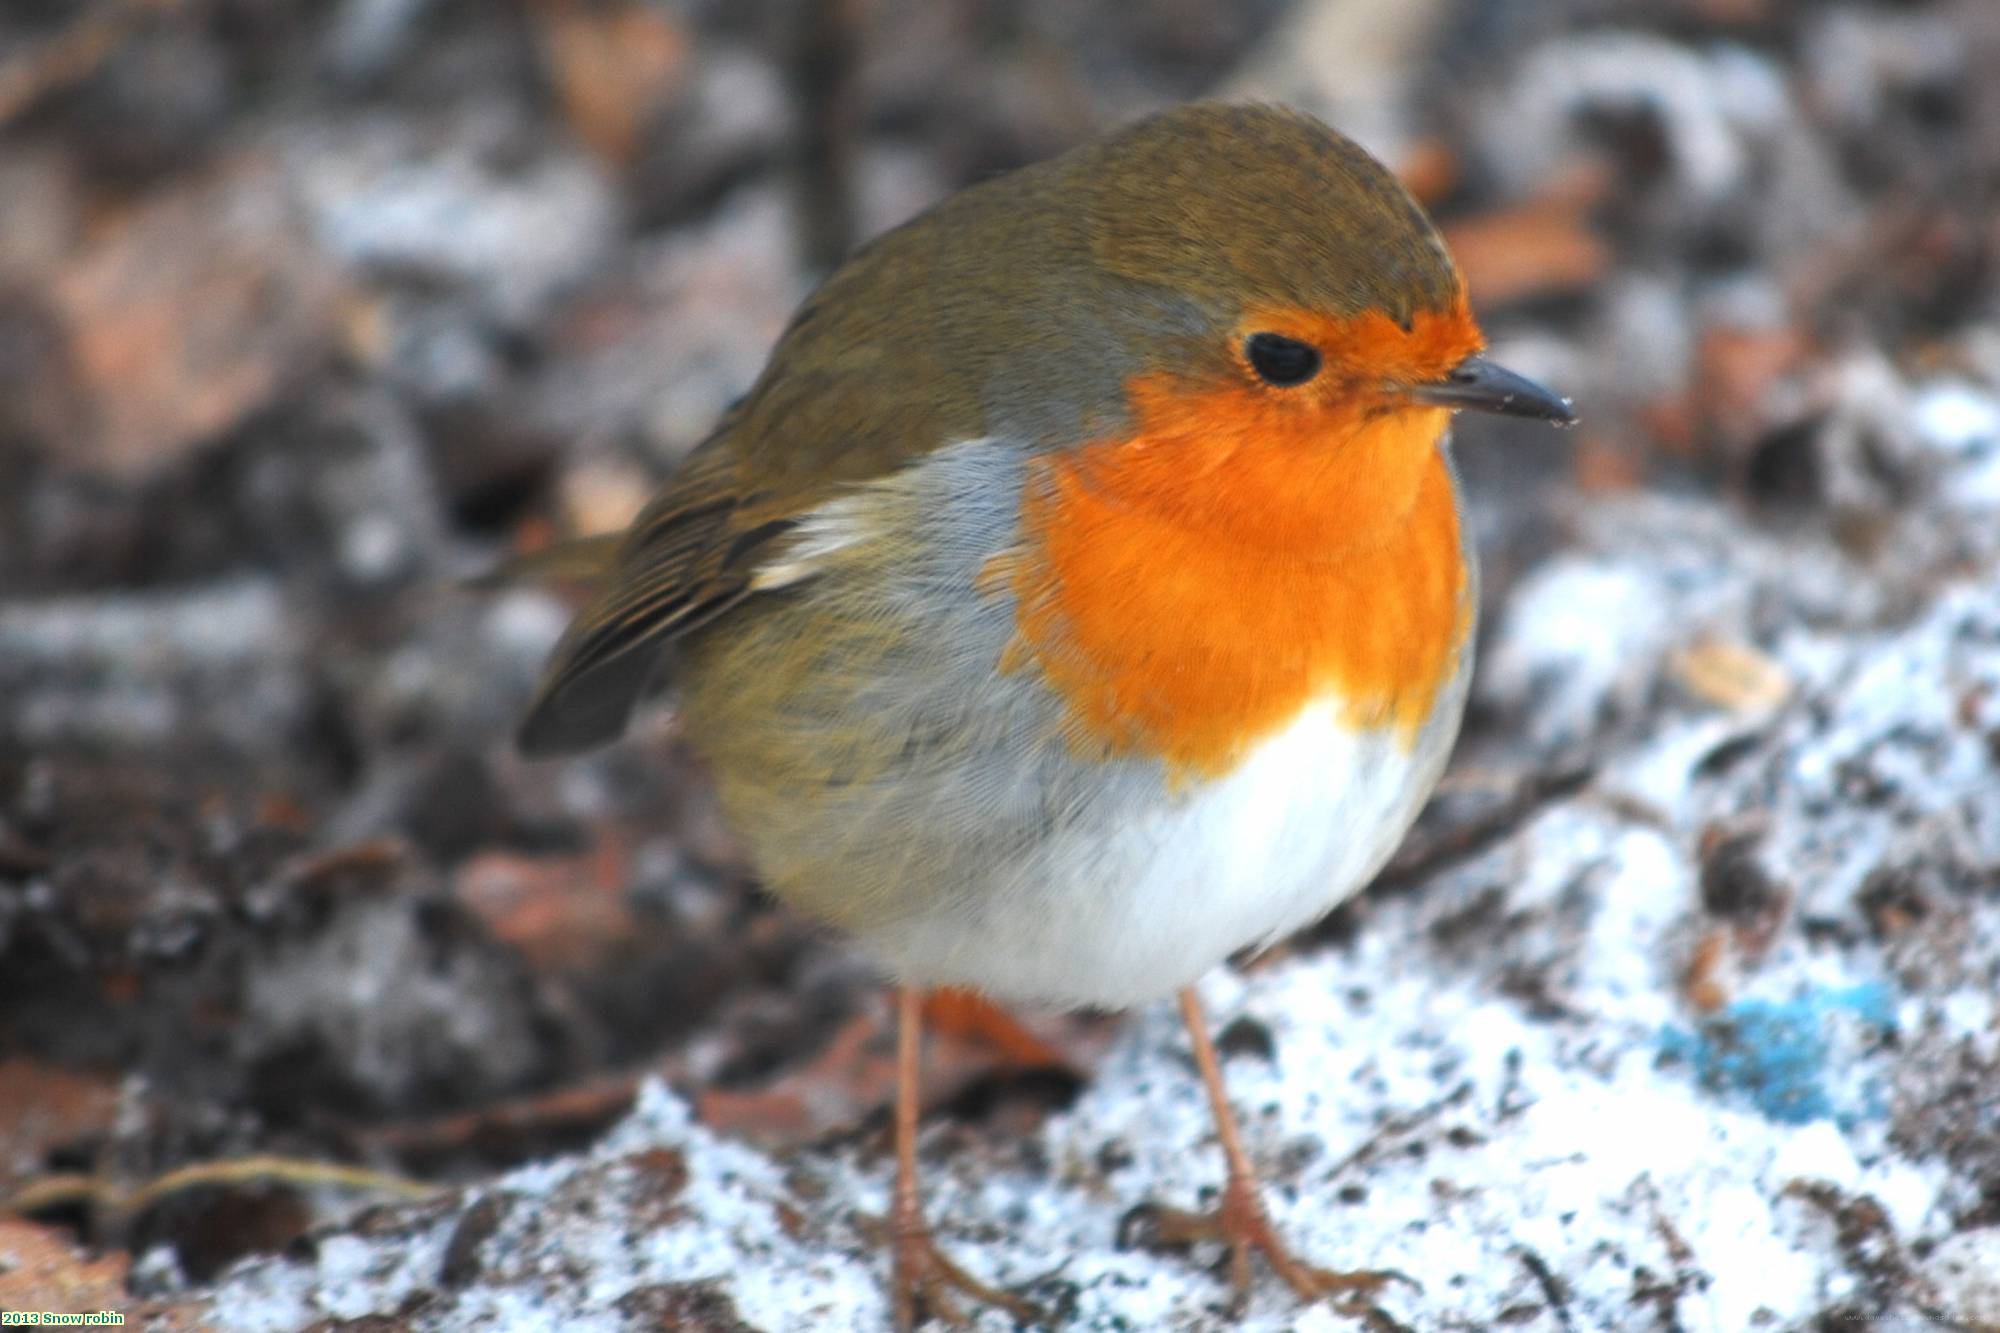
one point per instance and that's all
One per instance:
(1280, 360)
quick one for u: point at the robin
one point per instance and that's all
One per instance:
(1079, 595)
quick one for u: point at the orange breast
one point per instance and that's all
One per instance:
(1188, 590)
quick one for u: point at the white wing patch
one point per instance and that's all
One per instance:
(822, 534)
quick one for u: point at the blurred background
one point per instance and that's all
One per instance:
(309, 311)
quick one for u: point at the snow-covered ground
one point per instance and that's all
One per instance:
(1706, 1042)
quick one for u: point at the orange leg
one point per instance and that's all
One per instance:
(1240, 1222)
(924, 1278)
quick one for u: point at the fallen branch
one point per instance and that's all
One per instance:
(73, 56)
(114, 1204)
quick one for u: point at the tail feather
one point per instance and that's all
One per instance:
(578, 559)
(590, 710)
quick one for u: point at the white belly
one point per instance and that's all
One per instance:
(1125, 914)
(970, 844)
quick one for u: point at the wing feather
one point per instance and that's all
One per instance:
(690, 556)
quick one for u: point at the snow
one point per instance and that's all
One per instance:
(1507, 1085)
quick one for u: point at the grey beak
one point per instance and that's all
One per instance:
(1478, 385)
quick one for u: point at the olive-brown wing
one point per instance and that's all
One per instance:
(689, 556)
(886, 362)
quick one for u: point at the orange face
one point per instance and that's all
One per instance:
(1370, 355)
(1251, 548)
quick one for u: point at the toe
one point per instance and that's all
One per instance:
(927, 1285)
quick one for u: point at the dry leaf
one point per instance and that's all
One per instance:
(1733, 370)
(1734, 676)
(560, 912)
(1543, 246)
(612, 66)
(856, 1074)
(969, 1017)
(1430, 170)
(44, 1106)
(39, 1271)
(603, 496)
(188, 314)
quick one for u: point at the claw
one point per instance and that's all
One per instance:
(1240, 1221)
(923, 1279)
(1241, 1224)
(926, 1278)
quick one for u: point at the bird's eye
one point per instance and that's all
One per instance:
(1280, 360)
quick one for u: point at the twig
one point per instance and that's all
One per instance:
(118, 1204)
(1420, 859)
(821, 67)
(72, 56)
(1396, 1127)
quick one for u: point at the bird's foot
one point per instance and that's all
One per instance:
(1241, 1224)
(926, 1283)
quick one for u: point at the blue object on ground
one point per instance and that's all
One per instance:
(1776, 1052)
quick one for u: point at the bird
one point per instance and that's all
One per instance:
(1080, 594)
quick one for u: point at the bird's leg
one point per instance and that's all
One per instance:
(1240, 1221)
(924, 1277)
